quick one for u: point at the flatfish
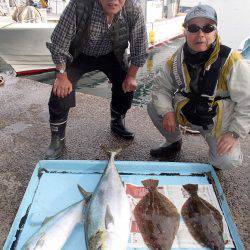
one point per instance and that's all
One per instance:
(157, 218)
(204, 221)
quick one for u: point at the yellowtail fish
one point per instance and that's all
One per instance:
(107, 221)
(55, 230)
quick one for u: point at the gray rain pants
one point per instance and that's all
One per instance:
(232, 159)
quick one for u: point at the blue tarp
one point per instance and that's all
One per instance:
(53, 187)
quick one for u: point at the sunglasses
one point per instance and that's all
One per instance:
(208, 28)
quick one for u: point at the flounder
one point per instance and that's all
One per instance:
(157, 218)
(204, 221)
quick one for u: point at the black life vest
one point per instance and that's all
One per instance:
(200, 108)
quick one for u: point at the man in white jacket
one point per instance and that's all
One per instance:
(205, 85)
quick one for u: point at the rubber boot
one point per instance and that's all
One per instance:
(168, 153)
(118, 126)
(57, 143)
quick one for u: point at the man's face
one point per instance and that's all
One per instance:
(112, 7)
(200, 40)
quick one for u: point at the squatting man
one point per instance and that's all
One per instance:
(204, 85)
(94, 35)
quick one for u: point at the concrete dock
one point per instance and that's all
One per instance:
(25, 135)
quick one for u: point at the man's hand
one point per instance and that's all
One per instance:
(225, 143)
(129, 84)
(62, 86)
(169, 122)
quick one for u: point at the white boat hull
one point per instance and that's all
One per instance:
(23, 45)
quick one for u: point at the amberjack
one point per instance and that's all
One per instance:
(55, 230)
(107, 215)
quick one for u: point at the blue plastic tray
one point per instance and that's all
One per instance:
(52, 181)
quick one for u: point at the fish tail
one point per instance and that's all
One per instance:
(110, 152)
(191, 188)
(150, 183)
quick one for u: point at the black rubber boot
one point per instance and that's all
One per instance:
(57, 143)
(167, 153)
(118, 126)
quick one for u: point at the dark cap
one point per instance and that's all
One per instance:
(201, 10)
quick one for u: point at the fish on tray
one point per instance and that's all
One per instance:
(157, 218)
(55, 230)
(203, 221)
(107, 221)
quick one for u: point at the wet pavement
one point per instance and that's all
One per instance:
(24, 137)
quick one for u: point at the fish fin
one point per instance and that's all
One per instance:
(47, 219)
(191, 188)
(150, 183)
(108, 217)
(109, 151)
(85, 194)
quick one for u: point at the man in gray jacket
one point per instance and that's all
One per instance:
(94, 35)
(205, 85)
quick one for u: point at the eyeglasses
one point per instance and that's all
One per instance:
(208, 28)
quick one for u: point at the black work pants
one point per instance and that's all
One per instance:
(109, 65)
